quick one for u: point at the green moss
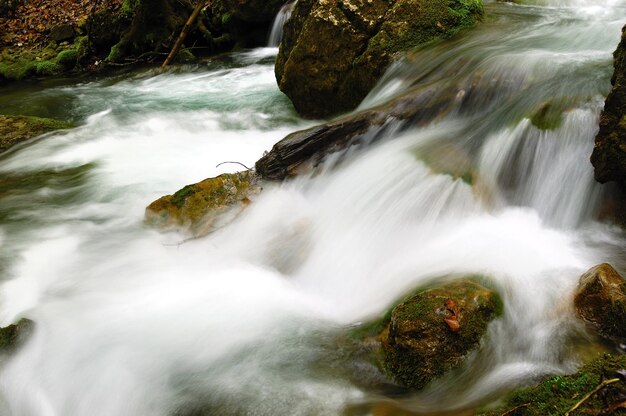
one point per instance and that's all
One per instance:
(129, 6)
(185, 55)
(199, 204)
(67, 57)
(549, 116)
(416, 344)
(115, 54)
(16, 129)
(17, 67)
(179, 197)
(47, 68)
(226, 18)
(557, 395)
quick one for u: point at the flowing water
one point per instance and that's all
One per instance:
(276, 34)
(130, 321)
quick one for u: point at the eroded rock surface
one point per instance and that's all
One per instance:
(600, 301)
(333, 52)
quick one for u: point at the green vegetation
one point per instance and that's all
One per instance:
(47, 68)
(557, 395)
(179, 197)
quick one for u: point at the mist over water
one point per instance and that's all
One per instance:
(131, 321)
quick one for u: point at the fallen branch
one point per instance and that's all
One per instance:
(591, 393)
(183, 34)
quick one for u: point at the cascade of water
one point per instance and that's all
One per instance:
(283, 15)
(279, 21)
(131, 321)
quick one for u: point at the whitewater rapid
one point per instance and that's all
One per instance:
(132, 321)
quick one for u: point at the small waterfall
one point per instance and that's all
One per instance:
(277, 28)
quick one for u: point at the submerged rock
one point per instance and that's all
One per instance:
(333, 52)
(202, 207)
(17, 129)
(13, 336)
(600, 301)
(432, 331)
(558, 395)
(609, 153)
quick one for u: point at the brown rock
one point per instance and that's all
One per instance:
(418, 343)
(333, 52)
(609, 153)
(62, 32)
(600, 301)
(202, 207)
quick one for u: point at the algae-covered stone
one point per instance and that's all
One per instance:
(201, 207)
(14, 335)
(559, 394)
(609, 153)
(600, 301)
(17, 129)
(333, 52)
(421, 346)
(549, 114)
(432, 331)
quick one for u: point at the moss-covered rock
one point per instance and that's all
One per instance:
(333, 52)
(600, 301)
(432, 331)
(558, 395)
(201, 207)
(609, 153)
(549, 115)
(17, 129)
(13, 336)
(420, 346)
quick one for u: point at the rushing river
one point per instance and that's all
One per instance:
(131, 321)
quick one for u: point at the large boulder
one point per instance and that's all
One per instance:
(17, 129)
(609, 153)
(431, 331)
(333, 52)
(600, 301)
(203, 206)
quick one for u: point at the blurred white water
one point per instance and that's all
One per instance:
(132, 321)
(276, 33)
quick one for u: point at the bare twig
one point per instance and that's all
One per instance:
(237, 163)
(508, 412)
(591, 393)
